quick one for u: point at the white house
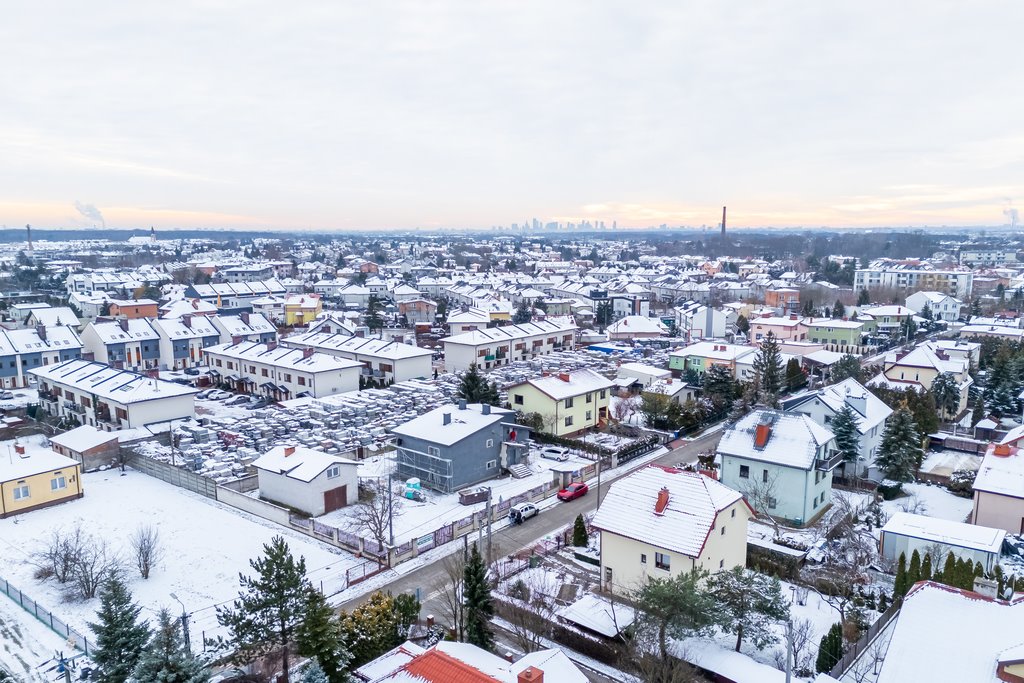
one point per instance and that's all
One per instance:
(130, 344)
(387, 360)
(503, 345)
(279, 372)
(636, 327)
(871, 414)
(308, 480)
(943, 306)
(107, 398)
(254, 327)
(660, 522)
(183, 339)
(782, 462)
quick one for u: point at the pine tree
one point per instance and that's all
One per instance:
(750, 605)
(847, 443)
(914, 569)
(165, 659)
(795, 377)
(946, 392)
(846, 367)
(523, 314)
(949, 576)
(900, 586)
(863, 299)
(742, 324)
(718, 384)
(900, 450)
(313, 673)
(579, 533)
(476, 596)
(926, 312)
(926, 567)
(271, 606)
(319, 637)
(474, 387)
(839, 310)
(768, 368)
(374, 319)
(830, 651)
(120, 636)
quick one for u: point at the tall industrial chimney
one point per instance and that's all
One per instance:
(28, 229)
(723, 222)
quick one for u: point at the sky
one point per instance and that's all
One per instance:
(433, 114)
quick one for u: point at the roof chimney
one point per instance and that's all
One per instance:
(271, 345)
(462, 404)
(1002, 450)
(662, 502)
(236, 339)
(186, 320)
(123, 322)
(530, 674)
(41, 331)
(306, 352)
(485, 409)
(564, 376)
(289, 450)
(446, 418)
(761, 435)
(245, 317)
(986, 587)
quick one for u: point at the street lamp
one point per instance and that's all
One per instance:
(184, 625)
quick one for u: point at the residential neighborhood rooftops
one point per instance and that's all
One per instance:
(121, 386)
(83, 438)
(282, 357)
(716, 350)
(511, 332)
(1002, 469)
(347, 343)
(568, 384)
(630, 508)
(789, 439)
(296, 462)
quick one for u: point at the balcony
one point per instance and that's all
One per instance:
(74, 407)
(829, 463)
(47, 396)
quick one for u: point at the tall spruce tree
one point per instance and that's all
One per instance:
(165, 659)
(946, 392)
(900, 452)
(795, 377)
(926, 567)
(474, 387)
(476, 596)
(844, 426)
(900, 586)
(769, 369)
(914, 569)
(719, 385)
(949, 576)
(830, 651)
(271, 605)
(319, 637)
(579, 532)
(120, 636)
(523, 313)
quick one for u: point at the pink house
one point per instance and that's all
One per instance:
(788, 328)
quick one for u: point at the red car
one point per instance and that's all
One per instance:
(573, 491)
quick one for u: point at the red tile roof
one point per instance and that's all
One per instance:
(438, 667)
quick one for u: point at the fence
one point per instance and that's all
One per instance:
(204, 486)
(865, 641)
(74, 638)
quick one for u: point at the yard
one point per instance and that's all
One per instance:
(205, 546)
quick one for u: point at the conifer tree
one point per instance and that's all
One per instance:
(795, 377)
(926, 567)
(522, 314)
(844, 426)
(914, 569)
(830, 651)
(863, 299)
(476, 596)
(165, 659)
(900, 450)
(769, 369)
(314, 673)
(371, 629)
(319, 637)
(579, 532)
(271, 605)
(120, 636)
(949, 576)
(839, 310)
(900, 586)
(474, 387)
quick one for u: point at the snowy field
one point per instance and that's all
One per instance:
(932, 501)
(206, 545)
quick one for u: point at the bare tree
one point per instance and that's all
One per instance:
(95, 563)
(146, 549)
(624, 407)
(61, 554)
(762, 494)
(802, 633)
(837, 586)
(532, 612)
(863, 668)
(372, 514)
(449, 590)
(913, 505)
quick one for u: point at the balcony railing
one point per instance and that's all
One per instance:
(829, 463)
(73, 407)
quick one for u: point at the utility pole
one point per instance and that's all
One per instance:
(789, 650)
(488, 525)
(599, 481)
(186, 639)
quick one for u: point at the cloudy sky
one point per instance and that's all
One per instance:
(364, 115)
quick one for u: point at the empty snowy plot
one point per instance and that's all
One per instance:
(205, 547)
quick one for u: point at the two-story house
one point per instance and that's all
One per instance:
(253, 327)
(503, 345)
(452, 447)
(782, 463)
(785, 329)
(660, 522)
(127, 344)
(568, 402)
(836, 332)
(23, 350)
(871, 414)
(943, 306)
(280, 373)
(918, 369)
(183, 339)
(701, 356)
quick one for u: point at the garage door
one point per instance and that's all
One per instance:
(335, 498)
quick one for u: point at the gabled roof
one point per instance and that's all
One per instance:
(694, 501)
(430, 426)
(792, 442)
(120, 386)
(578, 382)
(111, 332)
(302, 464)
(874, 411)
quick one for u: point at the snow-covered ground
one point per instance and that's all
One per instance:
(27, 647)
(22, 398)
(933, 501)
(946, 461)
(205, 546)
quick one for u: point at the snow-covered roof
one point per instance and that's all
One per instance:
(877, 311)
(598, 614)
(945, 531)
(52, 317)
(632, 369)
(985, 630)
(186, 327)
(1002, 474)
(431, 427)
(715, 350)
(120, 386)
(180, 307)
(236, 325)
(694, 501)
(378, 348)
(870, 410)
(281, 357)
(793, 438)
(114, 332)
(507, 333)
(29, 341)
(568, 385)
(452, 662)
(35, 460)
(637, 324)
(296, 462)
(83, 438)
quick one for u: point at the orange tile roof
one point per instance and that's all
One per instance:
(438, 667)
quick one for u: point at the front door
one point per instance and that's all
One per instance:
(335, 499)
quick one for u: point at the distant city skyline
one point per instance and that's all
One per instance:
(403, 115)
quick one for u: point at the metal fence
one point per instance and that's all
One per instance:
(48, 618)
(865, 641)
(204, 486)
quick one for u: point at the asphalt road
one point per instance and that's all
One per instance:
(511, 539)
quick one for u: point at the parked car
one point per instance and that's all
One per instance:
(204, 394)
(522, 512)
(218, 395)
(191, 371)
(237, 400)
(6, 395)
(573, 491)
(559, 453)
(258, 402)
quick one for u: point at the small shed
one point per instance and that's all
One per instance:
(308, 480)
(905, 533)
(91, 447)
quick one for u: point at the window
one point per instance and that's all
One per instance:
(721, 564)
(744, 472)
(828, 418)
(815, 501)
(568, 403)
(604, 393)
(517, 399)
(643, 558)
(590, 415)
(490, 443)
(264, 371)
(764, 476)
(772, 502)
(733, 513)
(568, 421)
(433, 450)
(302, 381)
(333, 471)
(590, 398)
(491, 464)
(20, 491)
(662, 561)
(723, 530)
(58, 482)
